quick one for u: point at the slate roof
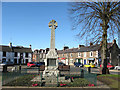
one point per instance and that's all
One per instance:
(89, 48)
(15, 49)
(83, 49)
(72, 50)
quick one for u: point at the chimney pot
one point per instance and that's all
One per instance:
(91, 44)
(30, 46)
(10, 45)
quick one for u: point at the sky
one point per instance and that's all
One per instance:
(25, 23)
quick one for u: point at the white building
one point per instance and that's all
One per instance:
(16, 54)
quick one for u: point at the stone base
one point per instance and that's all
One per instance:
(49, 73)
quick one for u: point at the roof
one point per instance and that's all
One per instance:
(72, 50)
(15, 49)
(89, 48)
(83, 49)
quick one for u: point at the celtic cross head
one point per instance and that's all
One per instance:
(53, 24)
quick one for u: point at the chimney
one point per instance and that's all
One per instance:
(65, 47)
(114, 41)
(91, 44)
(80, 46)
(10, 45)
(29, 46)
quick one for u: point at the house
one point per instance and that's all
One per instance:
(113, 53)
(16, 54)
(40, 54)
(89, 54)
(67, 56)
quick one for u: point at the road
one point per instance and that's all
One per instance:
(93, 70)
(72, 69)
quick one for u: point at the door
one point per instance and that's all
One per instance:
(15, 61)
(19, 61)
(26, 61)
(84, 61)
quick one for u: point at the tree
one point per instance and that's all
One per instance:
(98, 21)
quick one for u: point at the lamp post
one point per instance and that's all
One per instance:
(118, 59)
(21, 57)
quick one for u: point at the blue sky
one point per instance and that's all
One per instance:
(27, 23)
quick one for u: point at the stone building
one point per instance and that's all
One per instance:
(69, 55)
(89, 54)
(15, 54)
(40, 55)
(113, 53)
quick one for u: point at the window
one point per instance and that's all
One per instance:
(3, 60)
(67, 55)
(97, 54)
(4, 54)
(15, 54)
(84, 54)
(26, 54)
(63, 55)
(71, 54)
(79, 54)
(15, 61)
(91, 54)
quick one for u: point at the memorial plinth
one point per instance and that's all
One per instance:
(51, 64)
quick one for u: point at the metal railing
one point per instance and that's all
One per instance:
(27, 77)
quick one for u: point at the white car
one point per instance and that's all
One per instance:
(117, 67)
(2, 64)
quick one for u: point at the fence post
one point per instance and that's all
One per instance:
(5, 68)
(89, 69)
(41, 79)
(57, 80)
(82, 73)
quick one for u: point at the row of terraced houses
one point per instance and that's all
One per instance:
(83, 54)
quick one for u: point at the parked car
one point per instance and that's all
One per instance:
(117, 67)
(89, 65)
(2, 64)
(7, 63)
(78, 64)
(109, 66)
(31, 64)
(39, 63)
(61, 64)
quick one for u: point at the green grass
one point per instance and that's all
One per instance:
(22, 81)
(111, 80)
(78, 82)
(111, 75)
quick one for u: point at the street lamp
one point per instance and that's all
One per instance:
(21, 57)
(118, 59)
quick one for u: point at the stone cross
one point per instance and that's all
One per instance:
(53, 25)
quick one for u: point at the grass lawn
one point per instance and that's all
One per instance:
(22, 81)
(25, 80)
(77, 82)
(112, 81)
